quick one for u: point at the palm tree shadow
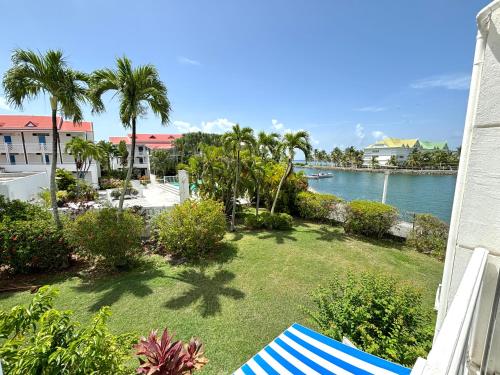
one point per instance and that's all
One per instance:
(279, 236)
(205, 290)
(116, 287)
(328, 233)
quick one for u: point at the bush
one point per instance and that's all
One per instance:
(115, 194)
(32, 245)
(120, 174)
(429, 235)
(39, 339)
(64, 179)
(379, 314)
(104, 235)
(372, 219)
(279, 221)
(110, 183)
(314, 206)
(19, 210)
(192, 229)
(82, 191)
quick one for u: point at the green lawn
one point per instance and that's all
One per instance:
(240, 302)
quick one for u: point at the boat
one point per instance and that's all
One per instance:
(317, 176)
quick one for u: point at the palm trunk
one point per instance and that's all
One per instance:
(235, 192)
(257, 201)
(130, 167)
(53, 165)
(288, 168)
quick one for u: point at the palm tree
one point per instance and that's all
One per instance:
(108, 150)
(34, 74)
(138, 88)
(292, 142)
(268, 145)
(235, 140)
(84, 152)
(374, 162)
(336, 156)
(393, 161)
(122, 153)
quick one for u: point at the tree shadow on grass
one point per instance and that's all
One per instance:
(279, 235)
(328, 233)
(116, 287)
(205, 290)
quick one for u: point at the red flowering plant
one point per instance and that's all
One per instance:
(164, 356)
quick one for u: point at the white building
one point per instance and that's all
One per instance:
(386, 148)
(145, 144)
(26, 144)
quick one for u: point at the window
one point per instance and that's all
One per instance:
(12, 159)
(141, 161)
(41, 139)
(47, 159)
(140, 148)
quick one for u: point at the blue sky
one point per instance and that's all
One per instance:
(347, 71)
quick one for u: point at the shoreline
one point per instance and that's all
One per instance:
(447, 172)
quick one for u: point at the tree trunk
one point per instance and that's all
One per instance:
(285, 175)
(130, 167)
(257, 201)
(235, 192)
(53, 164)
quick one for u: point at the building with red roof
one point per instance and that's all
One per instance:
(145, 143)
(26, 143)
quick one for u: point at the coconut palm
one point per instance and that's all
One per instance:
(138, 89)
(235, 140)
(33, 74)
(292, 142)
(336, 156)
(84, 152)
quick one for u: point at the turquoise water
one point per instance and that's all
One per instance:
(409, 193)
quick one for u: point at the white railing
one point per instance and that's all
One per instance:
(450, 350)
(173, 180)
(30, 147)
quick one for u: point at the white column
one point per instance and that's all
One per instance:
(183, 185)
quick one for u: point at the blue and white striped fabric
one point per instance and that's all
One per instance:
(300, 350)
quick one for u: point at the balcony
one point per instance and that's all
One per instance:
(31, 148)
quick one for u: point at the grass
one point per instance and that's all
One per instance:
(241, 301)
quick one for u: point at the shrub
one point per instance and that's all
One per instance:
(64, 179)
(107, 236)
(378, 313)
(372, 219)
(115, 194)
(192, 229)
(82, 191)
(166, 356)
(19, 210)
(314, 206)
(39, 339)
(279, 221)
(32, 245)
(110, 183)
(429, 235)
(253, 221)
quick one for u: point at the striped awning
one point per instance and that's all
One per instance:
(300, 350)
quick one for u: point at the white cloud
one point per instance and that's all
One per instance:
(446, 81)
(3, 104)
(187, 61)
(276, 125)
(219, 125)
(372, 108)
(360, 132)
(378, 134)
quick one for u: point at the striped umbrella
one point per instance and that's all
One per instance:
(300, 350)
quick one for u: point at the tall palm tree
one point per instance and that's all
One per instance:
(336, 156)
(33, 74)
(138, 89)
(291, 142)
(268, 145)
(235, 140)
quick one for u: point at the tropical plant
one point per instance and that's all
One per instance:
(253, 167)
(336, 156)
(84, 153)
(414, 160)
(138, 89)
(98, 235)
(292, 142)
(268, 146)
(39, 339)
(429, 235)
(393, 161)
(64, 179)
(164, 356)
(34, 74)
(163, 162)
(315, 206)
(122, 153)
(374, 162)
(235, 140)
(191, 229)
(372, 219)
(378, 313)
(107, 152)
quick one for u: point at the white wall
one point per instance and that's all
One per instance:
(25, 188)
(475, 218)
(92, 175)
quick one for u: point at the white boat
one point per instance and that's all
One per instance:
(317, 176)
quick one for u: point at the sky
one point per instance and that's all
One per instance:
(350, 72)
